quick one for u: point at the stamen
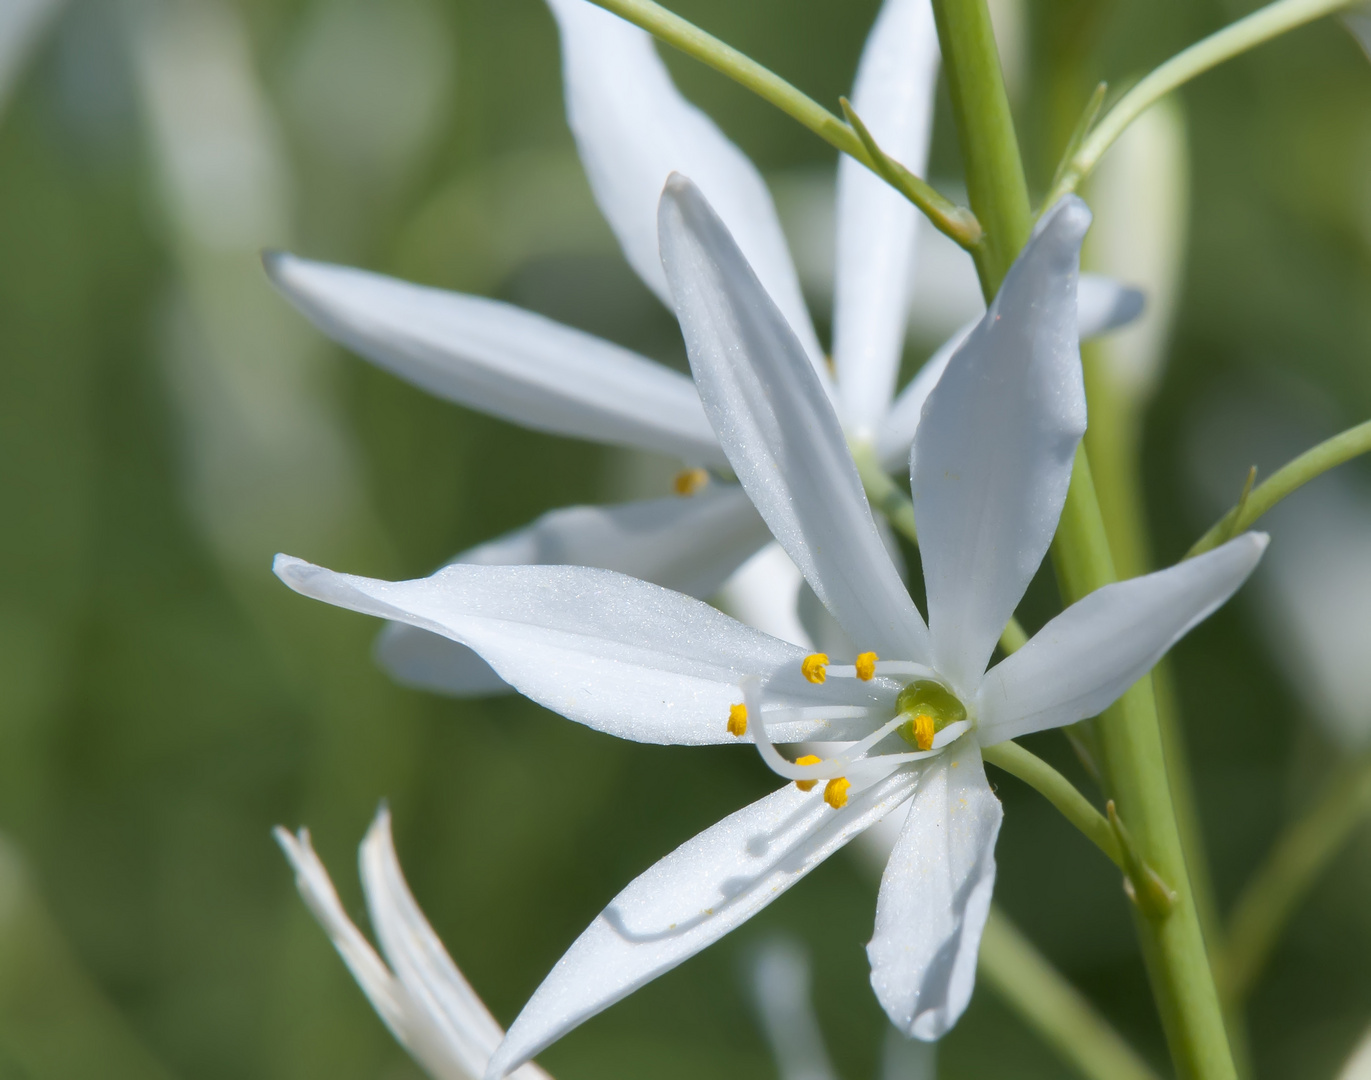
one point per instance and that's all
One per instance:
(835, 792)
(923, 731)
(690, 481)
(737, 721)
(814, 667)
(808, 759)
(866, 666)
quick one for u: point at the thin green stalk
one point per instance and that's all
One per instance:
(985, 131)
(1113, 443)
(953, 221)
(1295, 862)
(1135, 772)
(1129, 735)
(1289, 478)
(1255, 29)
(1053, 1007)
(1060, 792)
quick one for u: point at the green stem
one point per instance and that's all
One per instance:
(985, 131)
(953, 221)
(1294, 475)
(1053, 1007)
(1290, 870)
(1113, 443)
(1255, 29)
(1059, 791)
(1135, 772)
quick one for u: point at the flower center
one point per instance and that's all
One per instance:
(888, 698)
(928, 708)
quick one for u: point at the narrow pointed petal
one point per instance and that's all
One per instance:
(1084, 659)
(687, 901)
(617, 654)
(689, 545)
(498, 359)
(422, 964)
(634, 129)
(993, 453)
(935, 896)
(779, 430)
(1102, 305)
(421, 1032)
(381, 987)
(893, 94)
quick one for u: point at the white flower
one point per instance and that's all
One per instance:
(991, 464)
(429, 1007)
(633, 129)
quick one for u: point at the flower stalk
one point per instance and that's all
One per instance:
(1129, 733)
(995, 179)
(1256, 501)
(953, 221)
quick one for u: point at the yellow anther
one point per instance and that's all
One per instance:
(923, 731)
(866, 665)
(808, 759)
(815, 667)
(737, 720)
(689, 481)
(835, 793)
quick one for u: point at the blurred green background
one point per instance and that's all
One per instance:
(167, 424)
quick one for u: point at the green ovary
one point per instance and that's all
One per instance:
(929, 707)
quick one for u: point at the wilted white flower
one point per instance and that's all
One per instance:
(991, 464)
(420, 995)
(633, 129)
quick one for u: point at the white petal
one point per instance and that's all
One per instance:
(1080, 662)
(896, 433)
(420, 961)
(993, 453)
(779, 430)
(496, 358)
(1102, 305)
(765, 593)
(690, 899)
(781, 992)
(423, 660)
(935, 896)
(422, 1033)
(689, 545)
(617, 654)
(893, 95)
(634, 129)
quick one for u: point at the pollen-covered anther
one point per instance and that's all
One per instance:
(924, 731)
(737, 720)
(835, 792)
(808, 759)
(690, 481)
(866, 665)
(815, 667)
